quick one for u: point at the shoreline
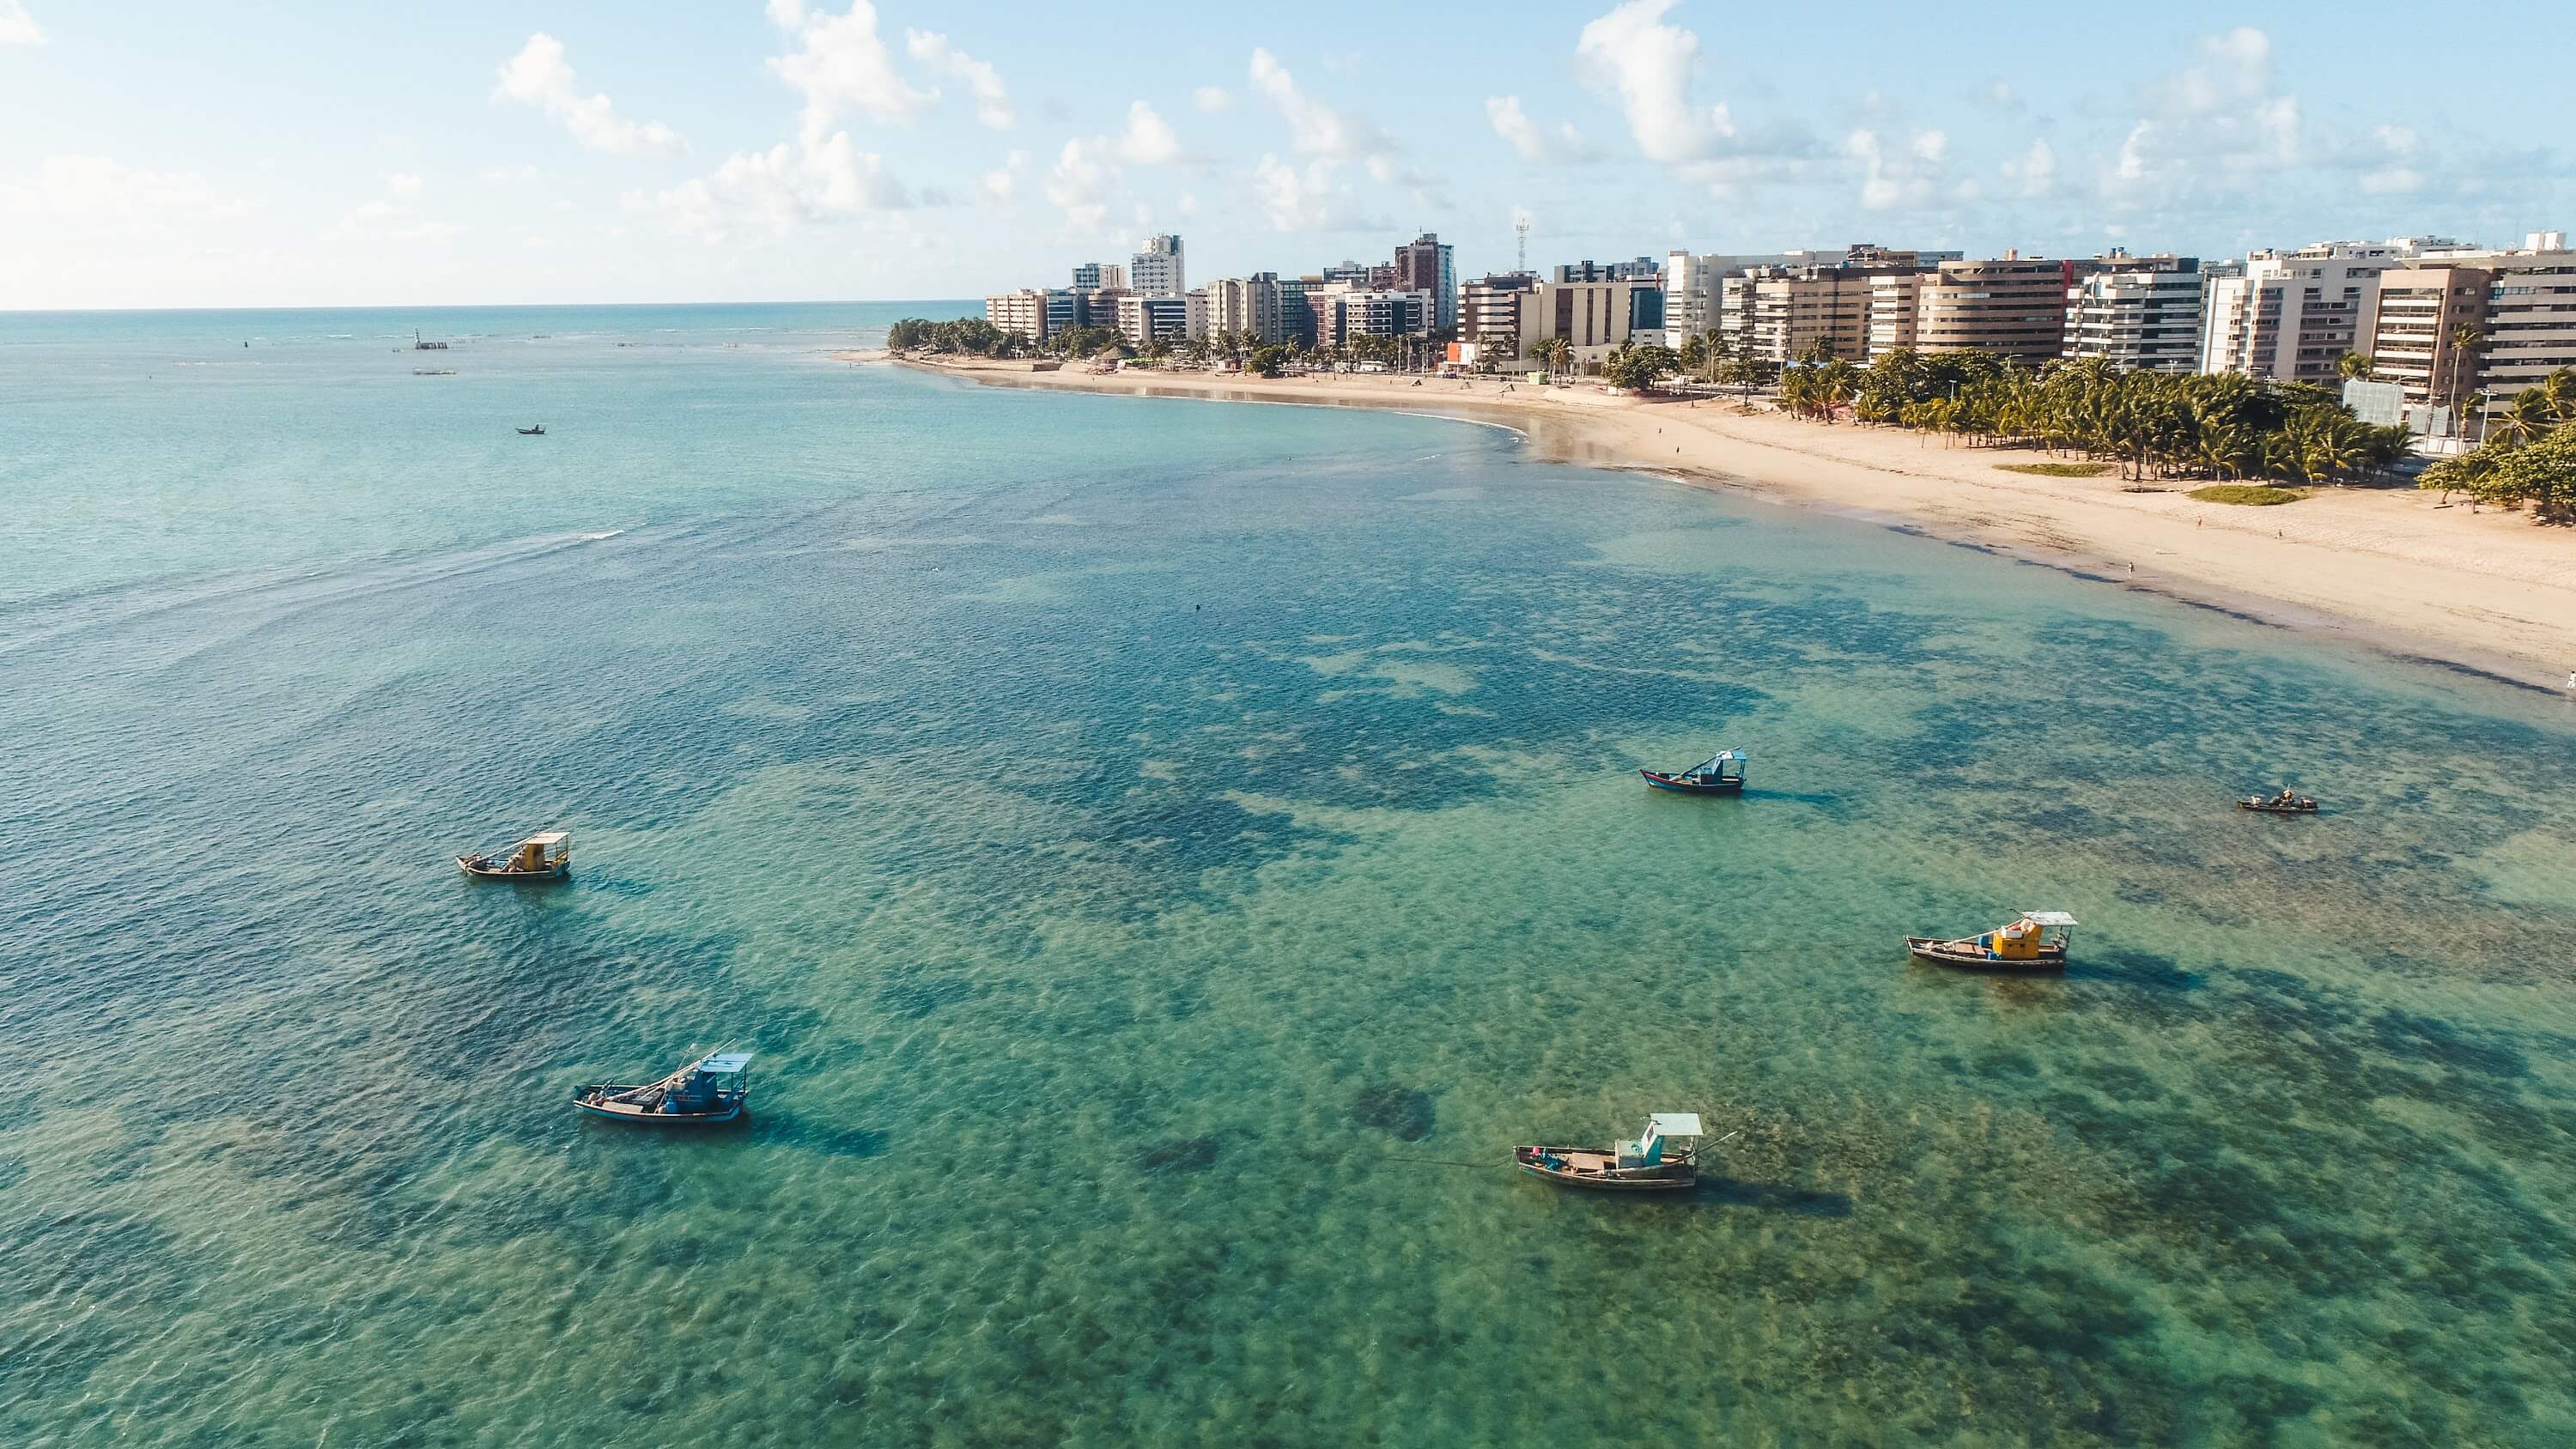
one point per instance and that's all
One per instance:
(2488, 595)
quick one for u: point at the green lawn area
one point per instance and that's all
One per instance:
(2059, 470)
(2259, 495)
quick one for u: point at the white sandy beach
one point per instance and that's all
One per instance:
(2389, 568)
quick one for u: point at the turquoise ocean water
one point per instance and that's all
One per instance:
(1163, 853)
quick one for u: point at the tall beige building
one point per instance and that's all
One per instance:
(1249, 305)
(2293, 315)
(1023, 312)
(2012, 306)
(2522, 302)
(1894, 299)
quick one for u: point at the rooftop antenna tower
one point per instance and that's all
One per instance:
(1520, 230)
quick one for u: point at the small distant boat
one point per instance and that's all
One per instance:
(2285, 803)
(546, 855)
(538, 431)
(1664, 1157)
(419, 346)
(709, 1090)
(1720, 774)
(2036, 942)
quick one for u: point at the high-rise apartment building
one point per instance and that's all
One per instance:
(2137, 312)
(1343, 312)
(1156, 271)
(1643, 269)
(1694, 285)
(2293, 315)
(1093, 276)
(1023, 312)
(1895, 299)
(1142, 319)
(2012, 306)
(1423, 265)
(1489, 314)
(1247, 305)
(2520, 302)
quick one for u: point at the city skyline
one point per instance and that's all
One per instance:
(167, 157)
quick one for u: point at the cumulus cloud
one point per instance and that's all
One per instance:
(540, 76)
(842, 65)
(992, 101)
(1003, 182)
(1089, 176)
(1149, 139)
(17, 27)
(1900, 178)
(1212, 98)
(1632, 54)
(2035, 172)
(2216, 124)
(1526, 136)
(1314, 129)
(777, 190)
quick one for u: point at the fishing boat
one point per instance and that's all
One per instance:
(546, 855)
(2285, 803)
(707, 1091)
(417, 345)
(538, 431)
(2036, 942)
(1720, 774)
(1664, 1157)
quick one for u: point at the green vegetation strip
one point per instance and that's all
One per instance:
(2059, 470)
(2256, 495)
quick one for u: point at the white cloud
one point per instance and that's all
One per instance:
(1149, 140)
(1080, 182)
(1212, 98)
(2214, 125)
(1291, 199)
(1631, 53)
(1513, 124)
(777, 190)
(1314, 129)
(509, 175)
(1003, 182)
(2393, 181)
(17, 27)
(1906, 178)
(842, 65)
(992, 101)
(539, 76)
(404, 184)
(2036, 172)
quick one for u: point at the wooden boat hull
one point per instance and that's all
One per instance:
(1592, 1169)
(1936, 951)
(466, 864)
(592, 1101)
(1658, 780)
(2264, 807)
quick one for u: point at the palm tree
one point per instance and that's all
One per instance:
(2558, 392)
(1557, 353)
(2465, 339)
(2354, 366)
(2525, 418)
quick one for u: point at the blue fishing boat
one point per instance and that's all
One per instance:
(1720, 774)
(709, 1090)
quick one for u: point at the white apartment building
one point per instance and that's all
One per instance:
(1144, 319)
(1156, 271)
(1249, 305)
(2139, 312)
(1093, 276)
(1694, 285)
(1023, 312)
(2531, 316)
(2293, 315)
(1894, 311)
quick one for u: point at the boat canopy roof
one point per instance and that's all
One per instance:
(548, 838)
(2048, 918)
(725, 1063)
(1673, 1124)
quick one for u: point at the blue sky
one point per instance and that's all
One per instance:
(301, 153)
